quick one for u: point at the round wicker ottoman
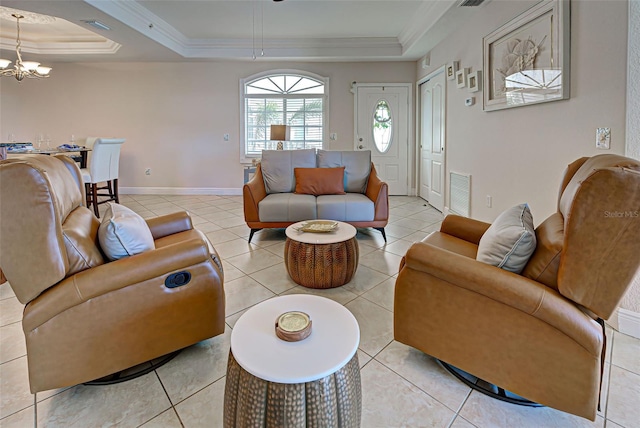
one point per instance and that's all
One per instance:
(311, 383)
(321, 260)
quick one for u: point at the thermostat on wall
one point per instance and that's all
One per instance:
(470, 101)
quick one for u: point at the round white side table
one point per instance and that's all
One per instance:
(313, 382)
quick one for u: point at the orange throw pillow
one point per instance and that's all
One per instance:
(320, 181)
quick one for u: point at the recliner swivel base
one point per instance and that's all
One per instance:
(135, 371)
(486, 388)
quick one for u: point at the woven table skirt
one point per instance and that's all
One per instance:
(333, 401)
(321, 265)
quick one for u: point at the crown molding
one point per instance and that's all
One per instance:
(144, 21)
(70, 46)
(337, 48)
(425, 18)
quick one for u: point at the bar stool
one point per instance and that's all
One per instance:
(103, 167)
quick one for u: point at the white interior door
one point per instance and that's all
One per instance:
(432, 141)
(383, 127)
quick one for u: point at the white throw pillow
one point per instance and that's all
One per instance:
(510, 240)
(123, 233)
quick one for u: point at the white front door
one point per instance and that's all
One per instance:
(383, 127)
(432, 141)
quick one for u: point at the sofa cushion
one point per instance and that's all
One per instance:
(509, 241)
(319, 181)
(123, 233)
(284, 207)
(357, 167)
(278, 165)
(349, 207)
(544, 264)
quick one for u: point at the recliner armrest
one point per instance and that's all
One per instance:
(518, 292)
(464, 228)
(169, 224)
(109, 277)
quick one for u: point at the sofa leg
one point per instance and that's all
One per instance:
(381, 229)
(252, 232)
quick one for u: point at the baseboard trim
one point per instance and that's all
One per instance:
(629, 322)
(180, 191)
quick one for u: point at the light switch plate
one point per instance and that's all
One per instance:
(603, 138)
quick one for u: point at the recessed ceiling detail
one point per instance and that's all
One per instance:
(48, 35)
(308, 30)
(27, 17)
(183, 30)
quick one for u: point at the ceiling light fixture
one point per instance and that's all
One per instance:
(22, 69)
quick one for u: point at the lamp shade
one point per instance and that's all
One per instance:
(43, 70)
(30, 65)
(280, 133)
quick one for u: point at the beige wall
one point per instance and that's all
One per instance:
(173, 115)
(519, 154)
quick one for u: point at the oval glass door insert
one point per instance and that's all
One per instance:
(382, 126)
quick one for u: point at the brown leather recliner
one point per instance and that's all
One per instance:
(85, 317)
(534, 334)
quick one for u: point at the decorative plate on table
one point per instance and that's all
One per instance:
(318, 226)
(293, 326)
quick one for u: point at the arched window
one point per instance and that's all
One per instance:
(292, 98)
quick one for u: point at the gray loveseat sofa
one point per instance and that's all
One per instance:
(270, 198)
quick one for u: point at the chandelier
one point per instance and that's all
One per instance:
(22, 69)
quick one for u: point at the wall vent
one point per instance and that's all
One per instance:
(460, 191)
(470, 3)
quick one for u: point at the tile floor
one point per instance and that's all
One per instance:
(401, 387)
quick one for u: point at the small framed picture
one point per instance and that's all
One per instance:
(452, 67)
(474, 81)
(461, 77)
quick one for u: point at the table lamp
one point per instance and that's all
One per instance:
(280, 133)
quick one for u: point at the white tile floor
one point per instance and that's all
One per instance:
(401, 386)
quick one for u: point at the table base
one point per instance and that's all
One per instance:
(333, 401)
(321, 265)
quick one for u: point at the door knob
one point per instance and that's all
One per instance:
(361, 146)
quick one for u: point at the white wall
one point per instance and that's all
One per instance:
(631, 301)
(173, 115)
(633, 81)
(519, 154)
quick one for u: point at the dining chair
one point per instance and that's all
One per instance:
(103, 168)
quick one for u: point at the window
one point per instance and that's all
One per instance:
(382, 126)
(291, 98)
